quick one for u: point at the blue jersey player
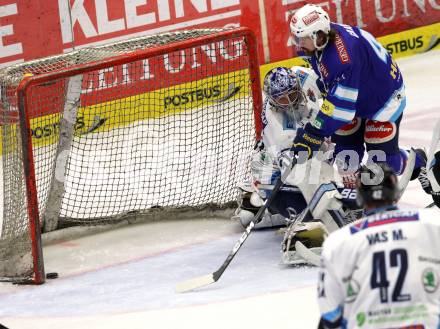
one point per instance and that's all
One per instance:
(364, 93)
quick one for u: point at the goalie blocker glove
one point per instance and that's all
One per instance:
(308, 140)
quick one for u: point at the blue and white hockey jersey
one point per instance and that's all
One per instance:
(358, 78)
(383, 271)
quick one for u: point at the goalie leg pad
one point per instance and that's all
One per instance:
(309, 236)
(286, 201)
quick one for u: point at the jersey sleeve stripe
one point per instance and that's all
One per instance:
(393, 108)
(342, 114)
(333, 316)
(346, 94)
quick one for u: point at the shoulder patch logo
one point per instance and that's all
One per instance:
(311, 18)
(342, 50)
(302, 76)
(327, 108)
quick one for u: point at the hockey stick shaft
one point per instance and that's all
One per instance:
(213, 277)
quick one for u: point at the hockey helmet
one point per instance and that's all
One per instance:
(307, 22)
(377, 183)
(283, 89)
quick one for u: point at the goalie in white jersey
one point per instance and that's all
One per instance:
(292, 99)
(382, 271)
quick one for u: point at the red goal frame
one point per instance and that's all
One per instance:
(24, 117)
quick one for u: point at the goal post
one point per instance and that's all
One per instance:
(90, 137)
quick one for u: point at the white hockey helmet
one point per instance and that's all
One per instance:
(307, 22)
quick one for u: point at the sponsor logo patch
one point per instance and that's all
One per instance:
(312, 140)
(430, 280)
(351, 291)
(349, 128)
(311, 18)
(327, 108)
(377, 132)
(342, 50)
(302, 76)
(317, 123)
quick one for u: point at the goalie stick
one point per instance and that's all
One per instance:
(205, 280)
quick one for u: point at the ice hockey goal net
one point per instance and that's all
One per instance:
(163, 121)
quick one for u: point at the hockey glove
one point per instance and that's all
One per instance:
(263, 169)
(307, 141)
(285, 159)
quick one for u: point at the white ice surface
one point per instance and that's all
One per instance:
(125, 278)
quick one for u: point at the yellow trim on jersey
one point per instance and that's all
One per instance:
(327, 108)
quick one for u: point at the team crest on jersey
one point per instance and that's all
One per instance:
(377, 132)
(342, 50)
(311, 18)
(430, 280)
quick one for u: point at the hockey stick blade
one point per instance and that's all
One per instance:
(213, 277)
(205, 280)
(195, 283)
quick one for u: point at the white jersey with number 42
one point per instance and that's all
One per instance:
(383, 271)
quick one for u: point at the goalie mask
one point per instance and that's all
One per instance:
(377, 184)
(283, 90)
